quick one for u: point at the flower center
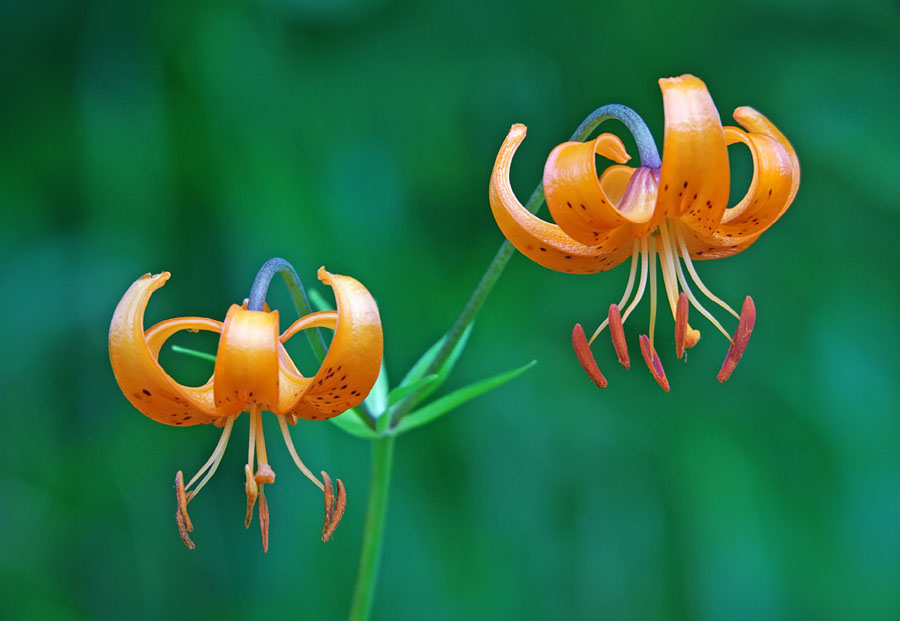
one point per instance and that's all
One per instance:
(667, 243)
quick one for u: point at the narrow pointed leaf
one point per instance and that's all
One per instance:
(443, 372)
(351, 422)
(403, 391)
(445, 404)
(377, 401)
(418, 369)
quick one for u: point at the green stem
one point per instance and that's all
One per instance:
(648, 152)
(373, 531)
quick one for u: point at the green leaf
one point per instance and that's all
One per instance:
(193, 352)
(403, 391)
(421, 365)
(441, 406)
(418, 369)
(318, 300)
(377, 399)
(351, 422)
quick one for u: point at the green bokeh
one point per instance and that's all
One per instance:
(203, 138)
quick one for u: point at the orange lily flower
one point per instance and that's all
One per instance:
(676, 210)
(253, 372)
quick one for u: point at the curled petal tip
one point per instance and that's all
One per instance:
(741, 338)
(585, 357)
(654, 363)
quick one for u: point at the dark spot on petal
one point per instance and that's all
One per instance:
(146, 392)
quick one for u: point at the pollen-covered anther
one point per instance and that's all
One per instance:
(252, 490)
(617, 332)
(264, 519)
(653, 363)
(681, 324)
(181, 515)
(585, 357)
(334, 506)
(741, 338)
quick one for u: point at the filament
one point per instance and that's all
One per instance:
(642, 283)
(652, 289)
(212, 464)
(628, 288)
(290, 446)
(261, 456)
(666, 259)
(696, 303)
(251, 448)
(696, 278)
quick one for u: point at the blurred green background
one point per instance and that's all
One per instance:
(203, 138)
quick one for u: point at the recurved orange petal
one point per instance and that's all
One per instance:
(577, 200)
(353, 361)
(291, 383)
(247, 361)
(541, 241)
(776, 174)
(695, 177)
(136, 367)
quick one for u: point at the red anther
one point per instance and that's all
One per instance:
(181, 514)
(653, 363)
(617, 332)
(741, 338)
(585, 357)
(264, 519)
(681, 323)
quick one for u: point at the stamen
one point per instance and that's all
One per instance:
(264, 519)
(696, 304)
(741, 338)
(250, 485)
(653, 363)
(667, 263)
(334, 508)
(617, 332)
(696, 278)
(585, 357)
(643, 281)
(264, 472)
(652, 289)
(628, 287)
(681, 324)
(290, 446)
(181, 515)
(214, 460)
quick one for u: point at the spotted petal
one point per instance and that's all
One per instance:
(134, 359)
(545, 243)
(695, 177)
(576, 198)
(776, 176)
(353, 361)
